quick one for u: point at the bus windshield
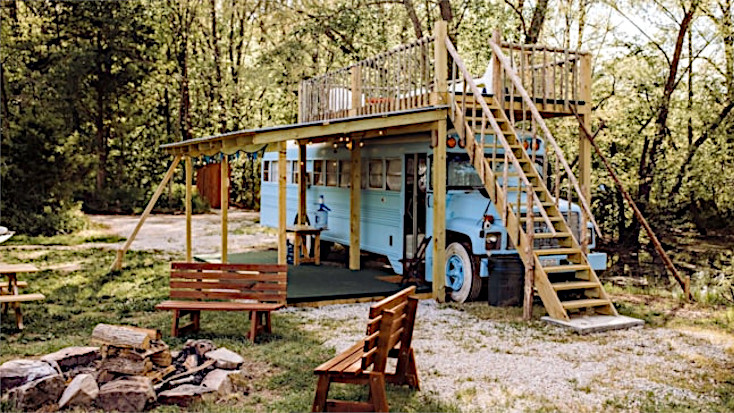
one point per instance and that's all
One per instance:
(460, 172)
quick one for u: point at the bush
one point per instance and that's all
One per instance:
(175, 201)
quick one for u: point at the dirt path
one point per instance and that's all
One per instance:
(168, 232)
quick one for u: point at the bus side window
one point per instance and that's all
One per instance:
(295, 171)
(274, 171)
(394, 174)
(266, 171)
(331, 173)
(289, 172)
(318, 172)
(345, 173)
(377, 174)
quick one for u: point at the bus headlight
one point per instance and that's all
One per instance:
(492, 241)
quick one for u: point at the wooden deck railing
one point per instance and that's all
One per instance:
(550, 75)
(400, 79)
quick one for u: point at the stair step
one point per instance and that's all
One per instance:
(539, 218)
(557, 251)
(566, 268)
(586, 303)
(575, 285)
(551, 235)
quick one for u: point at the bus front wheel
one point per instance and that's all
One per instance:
(461, 278)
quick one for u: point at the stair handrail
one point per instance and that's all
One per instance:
(507, 66)
(499, 135)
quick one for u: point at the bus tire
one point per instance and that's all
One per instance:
(461, 276)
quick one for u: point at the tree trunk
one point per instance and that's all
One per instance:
(101, 134)
(650, 155)
(536, 24)
(217, 70)
(413, 16)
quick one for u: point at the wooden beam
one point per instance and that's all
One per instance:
(117, 264)
(189, 176)
(302, 183)
(356, 90)
(224, 201)
(355, 205)
(439, 212)
(282, 208)
(440, 95)
(585, 113)
(201, 145)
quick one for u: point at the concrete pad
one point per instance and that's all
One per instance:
(596, 323)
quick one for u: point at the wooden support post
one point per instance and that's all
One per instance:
(440, 95)
(282, 208)
(585, 113)
(224, 201)
(439, 212)
(355, 205)
(189, 176)
(117, 264)
(356, 90)
(497, 69)
(302, 183)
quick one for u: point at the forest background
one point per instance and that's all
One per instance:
(90, 89)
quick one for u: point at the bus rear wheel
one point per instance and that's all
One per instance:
(461, 276)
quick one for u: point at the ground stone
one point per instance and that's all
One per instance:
(185, 394)
(220, 381)
(71, 357)
(38, 393)
(129, 394)
(225, 358)
(81, 392)
(15, 373)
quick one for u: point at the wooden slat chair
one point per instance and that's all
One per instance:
(389, 334)
(257, 288)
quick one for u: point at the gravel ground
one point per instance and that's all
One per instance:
(485, 365)
(168, 232)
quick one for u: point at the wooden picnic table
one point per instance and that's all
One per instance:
(301, 232)
(9, 294)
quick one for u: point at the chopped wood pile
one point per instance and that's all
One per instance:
(129, 369)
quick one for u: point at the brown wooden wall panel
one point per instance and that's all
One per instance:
(208, 183)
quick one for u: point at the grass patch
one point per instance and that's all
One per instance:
(79, 300)
(64, 239)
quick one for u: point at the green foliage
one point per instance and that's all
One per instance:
(174, 200)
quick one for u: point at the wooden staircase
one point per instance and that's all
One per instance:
(530, 212)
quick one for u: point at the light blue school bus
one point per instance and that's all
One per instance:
(397, 205)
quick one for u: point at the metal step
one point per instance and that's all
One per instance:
(575, 285)
(585, 303)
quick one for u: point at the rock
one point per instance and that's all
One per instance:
(225, 359)
(128, 394)
(37, 393)
(185, 394)
(220, 381)
(201, 347)
(191, 361)
(71, 357)
(82, 391)
(15, 373)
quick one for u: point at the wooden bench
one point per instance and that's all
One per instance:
(389, 334)
(5, 290)
(257, 288)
